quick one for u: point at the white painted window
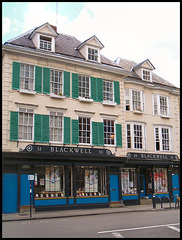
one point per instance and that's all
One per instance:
(27, 77)
(84, 130)
(163, 139)
(134, 100)
(93, 54)
(56, 127)
(25, 124)
(161, 105)
(109, 132)
(108, 91)
(45, 43)
(84, 86)
(146, 75)
(56, 82)
(136, 135)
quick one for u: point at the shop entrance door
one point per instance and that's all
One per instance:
(10, 186)
(142, 185)
(175, 185)
(114, 188)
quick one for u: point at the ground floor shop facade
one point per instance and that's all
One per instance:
(65, 178)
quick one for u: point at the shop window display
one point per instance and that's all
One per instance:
(160, 180)
(90, 181)
(128, 181)
(49, 181)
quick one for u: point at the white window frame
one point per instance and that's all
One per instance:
(98, 53)
(29, 78)
(45, 42)
(56, 114)
(86, 130)
(132, 137)
(113, 136)
(52, 92)
(25, 110)
(160, 139)
(147, 75)
(81, 96)
(129, 101)
(157, 105)
(110, 92)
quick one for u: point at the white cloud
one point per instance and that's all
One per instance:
(6, 25)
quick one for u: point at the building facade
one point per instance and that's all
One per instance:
(89, 130)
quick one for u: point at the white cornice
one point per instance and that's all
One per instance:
(60, 57)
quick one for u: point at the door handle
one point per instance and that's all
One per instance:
(113, 189)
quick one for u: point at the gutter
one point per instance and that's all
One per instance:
(60, 57)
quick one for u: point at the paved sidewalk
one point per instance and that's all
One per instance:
(25, 215)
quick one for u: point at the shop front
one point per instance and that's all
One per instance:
(76, 177)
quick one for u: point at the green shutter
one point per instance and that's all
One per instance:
(37, 127)
(38, 79)
(118, 135)
(16, 75)
(116, 92)
(75, 131)
(46, 80)
(14, 126)
(45, 128)
(100, 133)
(74, 85)
(66, 84)
(99, 89)
(93, 88)
(66, 130)
(95, 133)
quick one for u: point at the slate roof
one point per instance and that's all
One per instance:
(64, 44)
(68, 45)
(129, 64)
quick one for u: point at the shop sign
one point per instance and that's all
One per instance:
(67, 150)
(151, 156)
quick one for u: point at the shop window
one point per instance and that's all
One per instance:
(160, 180)
(90, 181)
(128, 181)
(49, 181)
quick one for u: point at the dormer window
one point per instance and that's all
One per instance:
(93, 54)
(45, 43)
(146, 75)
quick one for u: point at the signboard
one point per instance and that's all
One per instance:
(67, 150)
(30, 177)
(151, 156)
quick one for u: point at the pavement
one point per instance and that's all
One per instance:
(25, 214)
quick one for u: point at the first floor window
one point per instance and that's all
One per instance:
(160, 180)
(84, 130)
(25, 124)
(109, 132)
(56, 127)
(27, 77)
(163, 138)
(161, 105)
(49, 181)
(134, 100)
(56, 82)
(90, 181)
(128, 181)
(136, 136)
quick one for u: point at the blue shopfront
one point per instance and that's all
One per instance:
(67, 178)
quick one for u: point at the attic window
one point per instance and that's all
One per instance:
(93, 54)
(45, 43)
(146, 75)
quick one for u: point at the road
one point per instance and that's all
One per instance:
(156, 224)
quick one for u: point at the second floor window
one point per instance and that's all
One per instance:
(25, 124)
(56, 127)
(56, 82)
(107, 90)
(84, 130)
(161, 105)
(134, 100)
(27, 77)
(84, 86)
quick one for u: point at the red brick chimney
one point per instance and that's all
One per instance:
(54, 27)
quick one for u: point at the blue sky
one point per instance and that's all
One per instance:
(131, 30)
